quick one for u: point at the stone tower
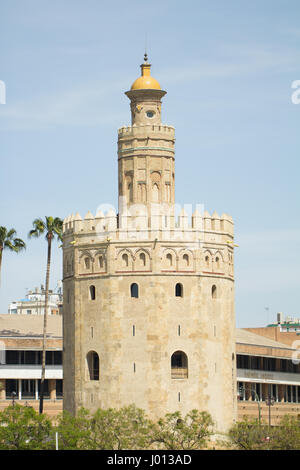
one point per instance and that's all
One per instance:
(148, 296)
(146, 150)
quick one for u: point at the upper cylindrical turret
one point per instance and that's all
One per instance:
(146, 149)
(145, 95)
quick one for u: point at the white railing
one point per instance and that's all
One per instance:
(24, 371)
(252, 375)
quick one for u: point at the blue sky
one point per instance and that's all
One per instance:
(228, 67)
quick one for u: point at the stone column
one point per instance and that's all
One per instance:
(52, 389)
(281, 393)
(250, 394)
(265, 392)
(2, 389)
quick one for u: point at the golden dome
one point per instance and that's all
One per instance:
(145, 81)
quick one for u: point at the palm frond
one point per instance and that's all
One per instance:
(7, 240)
(3, 232)
(8, 244)
(39, 228)
(19, 244)
(34, 233)
(50, 226)
(10, 234)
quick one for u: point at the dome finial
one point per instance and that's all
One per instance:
(145, 81)
(145, 55)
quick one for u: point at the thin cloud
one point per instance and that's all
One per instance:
(76, 107)
(234, 61)
(79, 106)
(263, 264)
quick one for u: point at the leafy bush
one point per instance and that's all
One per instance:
(127, 428)
(174, 432)
(250, 435)
(22, 428)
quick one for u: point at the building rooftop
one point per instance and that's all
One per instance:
(29, 326)
(249, 338)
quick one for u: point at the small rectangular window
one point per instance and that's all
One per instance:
(178, 330)
(92, 292)
(133, 330)
(134, 368)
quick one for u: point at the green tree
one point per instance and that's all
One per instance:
(125, 428)
(9, 241)
(174, 432)
(51, 228)
(249, 435)
(286, 436)
(22, 428)
(111, 429)
(74, 432)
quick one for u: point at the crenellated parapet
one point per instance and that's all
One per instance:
(129, 243)
(136, 224)
(146, 139)
(160, 129)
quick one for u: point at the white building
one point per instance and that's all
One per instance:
(34, 302)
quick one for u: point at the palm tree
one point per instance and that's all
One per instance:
(51, 227)
(10, 242)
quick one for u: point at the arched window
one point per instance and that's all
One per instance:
(125, 260)
(92, 292)
(93, 365)
(101, 263)
(143, 259)
(155, 193)
(129, 192)
(169, 259)
(87, 262)
(217, 262)
(134, 290)
(186, 260)
(179, 365)
(214, 292)
(207, 261)
(178, 290)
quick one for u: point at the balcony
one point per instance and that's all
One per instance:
(179, 373)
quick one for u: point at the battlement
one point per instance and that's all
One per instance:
(131, 131)
(141, 226)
